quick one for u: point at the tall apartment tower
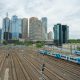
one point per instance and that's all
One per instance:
(61, 34)
(25, 28)
(6, 29)
(16, 25)
(35, 29)
(44, 27)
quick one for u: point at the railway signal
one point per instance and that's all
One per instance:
(42, 72)
(43, 67)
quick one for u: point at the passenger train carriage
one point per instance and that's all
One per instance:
(61, 56)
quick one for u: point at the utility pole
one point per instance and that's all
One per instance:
(74, 47)
(71, 49)
(61, 49)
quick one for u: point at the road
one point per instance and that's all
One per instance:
(24, 63)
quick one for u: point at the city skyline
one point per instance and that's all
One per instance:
(24, 28)
(64, 11)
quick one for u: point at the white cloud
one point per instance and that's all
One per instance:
(64, 11)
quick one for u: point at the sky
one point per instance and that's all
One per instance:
(57, 11)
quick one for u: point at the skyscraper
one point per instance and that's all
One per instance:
(65, 30)
(25, 28)
(50, 37)
(16, 25)
(6, 29)
(44, 27)
(61, 34)
(35, 29)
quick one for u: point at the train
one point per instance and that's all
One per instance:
(76, 52)
(61, 56)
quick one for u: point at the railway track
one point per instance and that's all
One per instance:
(25, 64)
(36, 68)
(13, 73)
(69, 74)
(21, 73)
(69, 65)
(2, 66)
(47, 73)
(74, 67)
(67, 71)
(28, 69)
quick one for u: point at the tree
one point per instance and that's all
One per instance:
(28, 43)
(74, 41)
(78, 48)
(5, 42)
(17, 42)
(39, 44)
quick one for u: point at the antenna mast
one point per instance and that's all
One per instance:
(7, 14)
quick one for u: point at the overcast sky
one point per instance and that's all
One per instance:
(57, 11)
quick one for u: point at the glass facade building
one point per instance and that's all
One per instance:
(16, 25)
(6, 29)
(44, 26)
(61, 34)
(65, 30)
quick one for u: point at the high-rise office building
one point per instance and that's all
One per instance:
(16, 25)
(25, 28)
(61, 34)
(35, 29)
(32, 24)
(65, 30)
(6, 29)
(50, 37)
(44, 26)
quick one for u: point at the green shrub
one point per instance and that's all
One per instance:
(5, 42)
